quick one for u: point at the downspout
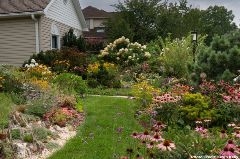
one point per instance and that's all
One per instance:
(36, 30)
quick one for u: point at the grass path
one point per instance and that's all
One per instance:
(100, 121)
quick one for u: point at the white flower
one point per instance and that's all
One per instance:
(235, 79)
(129, 57)
(33, 61)
(27, 65)
(137, 58)
(32, 65)
(133, 55)
(40, 66)
(126, 50)
(49, 71)
(36, 64)
(43, 73)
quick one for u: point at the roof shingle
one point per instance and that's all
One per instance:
(92, 12)
(19, 6)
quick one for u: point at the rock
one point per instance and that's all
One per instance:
(45, 141)
(39, 148)
(9, 135)
(20, 149)
(57, 128)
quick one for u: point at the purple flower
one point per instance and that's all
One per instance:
(98, 126)
(154, 93)
(140, 112)
(134, 98)
(144, 101)
(107, 127)
(91, 134)
(118, 113)
(117, 107)
(117, 93)
(85, 137)
(119, 138)
(126, 86)
(123, 113)
(155, 112)
(235, 119)
(44, 106)
(136, 114)
(91, 138)
(140, 106)
(85, 142)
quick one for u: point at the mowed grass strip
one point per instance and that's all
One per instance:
(103, 120)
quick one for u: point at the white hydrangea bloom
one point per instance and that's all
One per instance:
(33, 61)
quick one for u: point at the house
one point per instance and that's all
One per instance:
(31, 26)
(94, 17)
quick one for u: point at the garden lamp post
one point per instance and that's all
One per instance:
(195, 41)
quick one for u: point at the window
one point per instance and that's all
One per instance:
(54, 42)
(75, 33)
(55, 37)
(87, 21)
(100, 30)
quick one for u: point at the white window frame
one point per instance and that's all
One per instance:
(55, 32)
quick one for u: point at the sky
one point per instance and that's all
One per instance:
(203, 4)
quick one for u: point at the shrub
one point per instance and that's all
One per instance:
(104, 75)
(122, 51)
(67, 101)
(69, 40)
(28, 138)
(218, 61)
(52, 145)
(15, 133)
(4, 123)
(22, 123)
(42, 133)
(175, 54)
(69, 82)
(94, 44)
(195, 107)
(20, 108)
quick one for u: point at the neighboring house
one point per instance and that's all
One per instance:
(31, 26)
(94, 17)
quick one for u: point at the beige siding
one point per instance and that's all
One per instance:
(46, 32)
(17, 40)
(97, 23)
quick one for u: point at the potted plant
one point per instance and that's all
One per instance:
(37, 119)
(61, 118)
(3, 135)
(47, 126)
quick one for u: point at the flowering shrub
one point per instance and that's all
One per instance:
(62, 114)
(176, 54)
(94, 67)
(94, 44)
(122, 51)
(61, 66)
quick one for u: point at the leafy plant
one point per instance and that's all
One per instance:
(22, 123)
(195, 107)
(28, 138)
(42, 133)
(68, 82)
(15, 133)
(52, 145)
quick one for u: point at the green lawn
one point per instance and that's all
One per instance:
(104, 143)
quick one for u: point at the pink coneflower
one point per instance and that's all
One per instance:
(223, 133)
(157, 138)
(199, 128)
(204, 129)
(157, 131)
(145, 135)
(230, 144)
(207, 120)
(237, 127)
(226, 153)
(235, 119)
(166, 145)
(150, 145)
(231, 124)
(123, 157)
(198, 121)
(143, 142)
(159, 125)
(236, 133)
(203, 134)
(134, 135)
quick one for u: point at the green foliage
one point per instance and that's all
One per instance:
(42, 58)
(42, 133)
(218, 20)
(22, 123)
(218, 61)
(4, 122)
(176, 54)
(70, 40)
(196, 107)
(52, 145)
(28, 138)
(6, 106)
(69, 82)
(103, 77)
(15, 133)
(134, 20)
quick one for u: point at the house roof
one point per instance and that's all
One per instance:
(92, 12)
(92, 33)
(19, 6)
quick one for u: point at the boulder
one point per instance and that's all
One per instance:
(20, 149)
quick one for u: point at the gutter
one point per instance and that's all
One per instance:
(9, 15)
(36, 30)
